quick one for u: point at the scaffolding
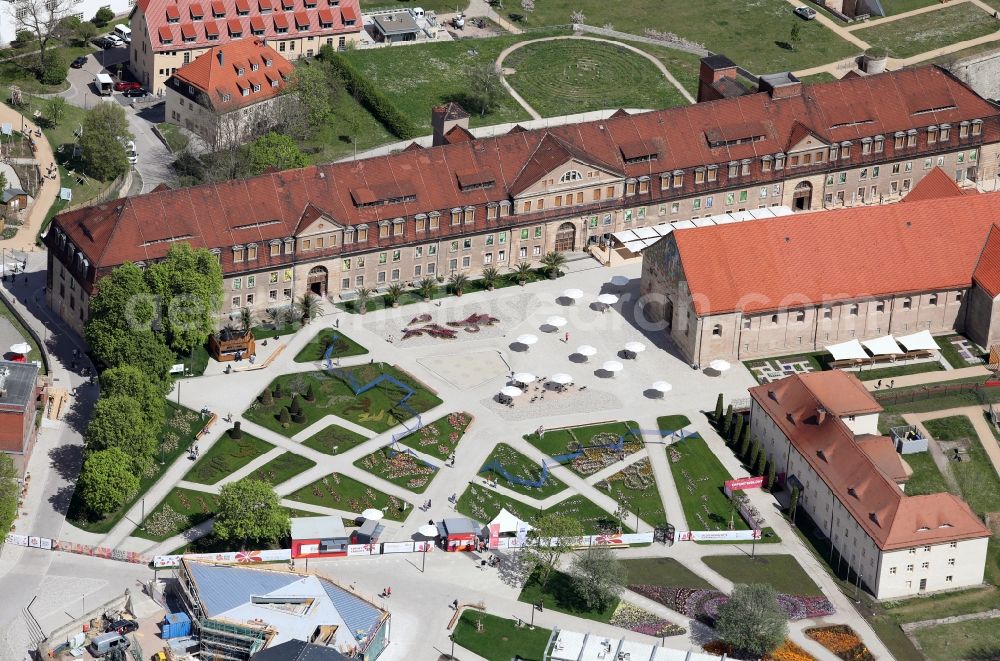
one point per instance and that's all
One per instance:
(221, 640)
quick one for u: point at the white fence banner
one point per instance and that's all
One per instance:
(362, 549)
(398, 547)
(45, 543)
(230, 557)
(17, 540)
(716, 535)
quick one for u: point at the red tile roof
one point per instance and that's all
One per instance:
(676, 133)
(257, 24)
(301, 19)
(934, 185)
(211, 28)
(838, 255)
(891, 518)
(166, 34)
(218, 78)
(235, 26)
(157, 13)
(987, 273)
(349, 12)
(187, 31)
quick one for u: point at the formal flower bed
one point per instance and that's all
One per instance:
(639, 620)
(704, 604)
(842, 641)
(788, 651)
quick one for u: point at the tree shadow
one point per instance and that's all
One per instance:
(784, 45)
(61, 499)
(512, 571)
(66, 460)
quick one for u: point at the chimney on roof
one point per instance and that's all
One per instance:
(780, 85)
(221, 58)
(446, 117)
(820, 415)
(713, 69)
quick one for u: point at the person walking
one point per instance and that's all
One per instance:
(454, 604)
(566, 340)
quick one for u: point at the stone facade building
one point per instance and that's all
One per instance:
(821, 430)
(466, 203)
(801, 283)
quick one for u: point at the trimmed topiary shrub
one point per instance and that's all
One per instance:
(284, 418)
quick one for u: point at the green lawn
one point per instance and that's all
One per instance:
(898, 370)
(176, 437)
(21, 72)
(684, 66)
(556, 442)
(926, 476)
(754, 35)
(962, 640)
(822, 77)
(634, 488)
(375, 409)
(484, 504)
(950, 352)
(441, 437)
(343, 347)
(559, 595)
(438, 6)
(400, 468)
(344, 493)
(817, 361)
(176, 141)
(977, 478)
(700, 476)
(782, 572)
(920, 399)
(282, 468)
(180, 510)
(664, 572)
(520, 466)
(226, 457)
(334, 439)
(671, 423)
(894, 7)
(569, 76)
(268, 330)
(944, 604)
(500, 639)
(917, 34)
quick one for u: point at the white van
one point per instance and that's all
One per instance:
(107, 642)
(124, 31)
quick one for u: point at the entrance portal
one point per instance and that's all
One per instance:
(802, 196)
(317, 280)
(566, 238)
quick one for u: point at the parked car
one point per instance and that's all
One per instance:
(122, 626)
(79, 62)
(131, 153)
(808, 13)
(123, 85)
(115, 40)
(106, 643)
(134, 92)
(104, 42)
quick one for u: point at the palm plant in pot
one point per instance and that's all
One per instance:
(459, 281)
(491, 275)
(393, 293)
(363, 294)
(522, 272)
(427, 288)
(308, 307)
(553, 261)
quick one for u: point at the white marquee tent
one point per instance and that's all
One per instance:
(635, 240)
(508, 522)
(883, 346)
(848, 351)
(922, 341)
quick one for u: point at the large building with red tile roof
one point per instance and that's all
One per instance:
(168, 34)
(465, 202)
(229, 94)
(821, 431)
(804, 282)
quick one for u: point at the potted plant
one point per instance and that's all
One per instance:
(459, 281)
(363, 294)
(393, 293)
(427, 288)
(491, 275)
(553, 261)
(522, 272)
(308, 307)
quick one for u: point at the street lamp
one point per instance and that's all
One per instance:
(452, 655)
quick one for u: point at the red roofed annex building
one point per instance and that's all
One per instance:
(167, 34)
(230, 94)
(801, 283)
(821, 429)
(465, 203)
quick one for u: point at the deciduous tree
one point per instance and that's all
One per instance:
(311, 88)
(120, 422)
(41, 18)
(250, 511)
(598, 576)
(751, 621)
(107, 480)
(188, 282)
(133, 381)
(55, 110)
(485, 85)
(553, 535)
(272, 150)
(102, 145)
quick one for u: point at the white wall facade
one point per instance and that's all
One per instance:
(83, 9)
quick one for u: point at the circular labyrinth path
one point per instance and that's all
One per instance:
(563, 76)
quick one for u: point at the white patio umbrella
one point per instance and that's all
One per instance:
(527, 339)
(612, 366)
(635, 347)
(372, 514)
(573, 294)
(662, 386)
(607, 299)
(21, 348)
(556, 321)
(561, 378)
(524, 377)
(720, 365)
(428, 530)
(511, 391)
(586, 350)
(620, 280)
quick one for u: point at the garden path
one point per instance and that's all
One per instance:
(47, 192)
(975, 413)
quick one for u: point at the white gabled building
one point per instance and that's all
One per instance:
(822, 430)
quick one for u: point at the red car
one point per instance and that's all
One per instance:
(123, 85)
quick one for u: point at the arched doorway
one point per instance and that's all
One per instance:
(802, 196)
(566, 238)
(317, 280)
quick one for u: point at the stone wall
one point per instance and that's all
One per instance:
(980, 72)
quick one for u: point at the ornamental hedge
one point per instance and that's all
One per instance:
(369, 96)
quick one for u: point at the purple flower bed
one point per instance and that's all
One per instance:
(704, 604)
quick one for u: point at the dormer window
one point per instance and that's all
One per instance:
(173, 14)
(252, 252)
(239, 253)
(196, 11)
(879, 144)
(911, 138)
(845, 149)
(572, 175)
(866, 145)
(256, 87)
(963, 129)
(779, 161)
(944, 133)
(240, 71)
(267, 62)
(225, 97)
(977, 127)
(765, 163)
(713, 172)
(932, 133)
(218, 9)
(254, 66)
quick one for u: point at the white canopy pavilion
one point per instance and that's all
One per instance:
(883, 346)
(922, 341)
(508, 522)
(848, 351)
